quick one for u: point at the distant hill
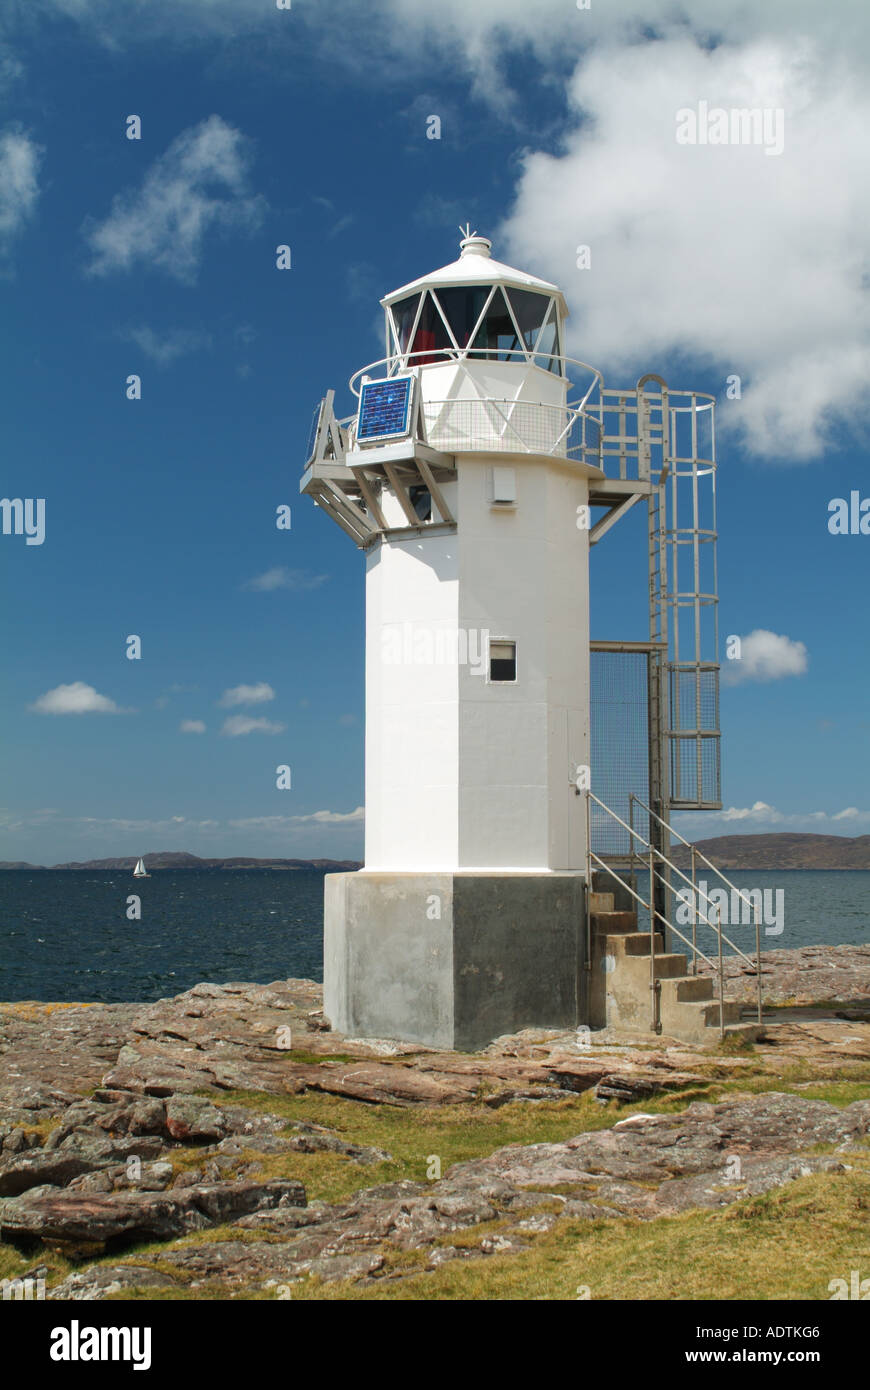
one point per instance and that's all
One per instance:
(178, 859)
(786, 851)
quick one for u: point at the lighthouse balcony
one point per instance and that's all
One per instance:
(500, 425)
(467, 401)
(386, 468)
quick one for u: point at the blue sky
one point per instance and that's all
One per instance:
(308, 127)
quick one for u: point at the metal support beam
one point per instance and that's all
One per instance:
(348, 509)
(371, 500)
(435, 492)
(615, 514)
(399, 489)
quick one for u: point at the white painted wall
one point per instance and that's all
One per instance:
(412, 709)
(462, 773)
(524, 575)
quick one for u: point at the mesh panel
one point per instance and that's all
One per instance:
(619, 726)
(694, 713)
(509, 426)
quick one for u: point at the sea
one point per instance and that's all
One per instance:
(65, 935)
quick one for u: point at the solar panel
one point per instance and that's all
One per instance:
(385, 408)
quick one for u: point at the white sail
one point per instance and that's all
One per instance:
(140, 871)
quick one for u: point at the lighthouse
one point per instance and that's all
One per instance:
(466, 474)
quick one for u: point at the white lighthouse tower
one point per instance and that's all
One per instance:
(466, 475)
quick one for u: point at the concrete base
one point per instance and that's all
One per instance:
(453, 959)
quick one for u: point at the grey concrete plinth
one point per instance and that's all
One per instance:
(453, 959)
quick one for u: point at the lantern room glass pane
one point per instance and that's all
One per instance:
(497, 338)
(462, 307)
(431, 336)
(549, 350)
(530, 310)
(404, 314)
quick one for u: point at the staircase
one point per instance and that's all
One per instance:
(626, 995)
(636, 987)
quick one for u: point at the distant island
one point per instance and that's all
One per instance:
(784, 851)
(179, 859)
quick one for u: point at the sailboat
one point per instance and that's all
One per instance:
(140, 871)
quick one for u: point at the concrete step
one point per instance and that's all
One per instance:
(603, 923)
(668, 965)
(711, 1013)
(600, 902)
(751, 1032)
(634, 943)
(687, 989)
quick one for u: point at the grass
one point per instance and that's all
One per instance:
(787, 1244)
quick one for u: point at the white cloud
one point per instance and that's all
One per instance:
(282, 578)
(759, 811)
(19, 187)
(200, 185)
(76, 698)
(748, 262)
(761, 816)
(165, 348)
(192, 726)
(288, 822)
(766, 656)
(11, 68)
(333, 817)
(247, 695)
(753, 264)
(238, 724)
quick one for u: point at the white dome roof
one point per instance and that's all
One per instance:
(476, 267)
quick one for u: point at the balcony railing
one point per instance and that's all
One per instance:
(468, 424)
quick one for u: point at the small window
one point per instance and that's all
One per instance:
(502, 660)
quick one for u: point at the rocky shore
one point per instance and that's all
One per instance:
(150, 1147)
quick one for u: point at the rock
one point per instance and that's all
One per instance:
(194, 1117)
(14, 1142)
(701, 1140)
(382, 1083)
(36, 1168)
(805, 975)
(718, 1190)
(104, 1280)
(628, 1089)
(81, 1223)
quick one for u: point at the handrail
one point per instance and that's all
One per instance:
(700, 854)
(697, 853)
(613, 874)
(404, 362)
(647, 846)
(655, 915)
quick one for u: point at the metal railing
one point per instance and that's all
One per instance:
(471, 422)
(430, 357)
(510, 426)
(654, 859)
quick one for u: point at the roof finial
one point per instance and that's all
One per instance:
(472, 244)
